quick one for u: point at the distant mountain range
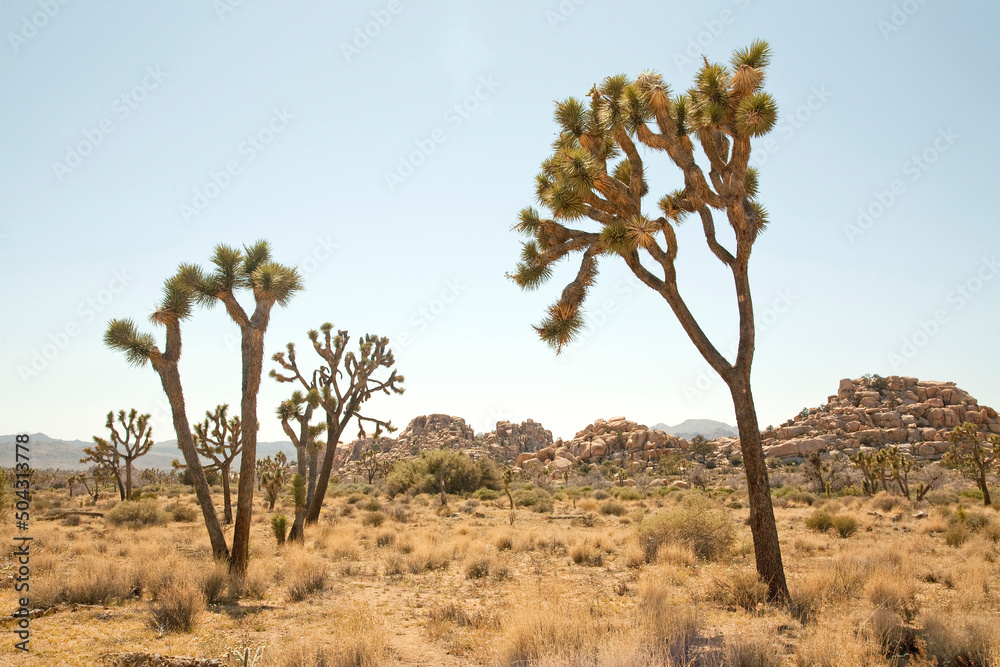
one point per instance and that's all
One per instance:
(46, 452)
(707, 428)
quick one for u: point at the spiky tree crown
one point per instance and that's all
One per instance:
(596, 173)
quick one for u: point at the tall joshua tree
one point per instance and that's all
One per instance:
(250, 269)
(341, 391)
(139, 349)
(220, 440)
(597, 174)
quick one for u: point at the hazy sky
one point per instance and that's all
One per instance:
(386, 147)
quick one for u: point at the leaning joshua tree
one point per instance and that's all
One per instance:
(596, 173)
(300, 408)
(220, 440)
(139, 349)
(134, 441)
(269, 283)
(341, 391)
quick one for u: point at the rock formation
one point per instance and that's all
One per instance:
(513, 439)
(873, 412)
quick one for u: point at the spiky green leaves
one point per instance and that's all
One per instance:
(655, 93)
(530, 275)
(571, 115)
(124, 337)
(680, 111)
(563, 324)
(615, 239)
(751, 182)
(275, 282)
(757, 56)
(527, 222)
(676, 205)
(710, 95)
(757, 114)
(176, 303)
(757, 217)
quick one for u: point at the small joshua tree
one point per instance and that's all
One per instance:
(597, 173)
(220, 440)
(134, 440)
(973, 456)
(274, 474)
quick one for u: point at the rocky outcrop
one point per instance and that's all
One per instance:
(513, 439)
(617, 438)
(873, 412)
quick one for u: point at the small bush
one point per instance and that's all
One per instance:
(305, 575)
(486, 494)
(371, 505)
(956, 535)
(697, 522)
(385, 538)
(887, 502)
(136, 514)
(820, 520)
(845, 524)
(586, 554)
(539, 500)
(424, 474)
(601, 494)
(177, 608)
(182, 512)
(613, 508)
(742, 589)
(213, 583)
(628, 493)
(373, 519)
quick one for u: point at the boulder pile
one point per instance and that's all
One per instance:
(872, 412)
(513, 439)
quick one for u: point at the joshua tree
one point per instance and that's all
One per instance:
(141, 348)
(585, 179)
(274, 473)
(300, 408)
(270, 283)
(107, 459)
(370, 463)
(134, 441)
(972, 457)
(341, 391)
(221, 441)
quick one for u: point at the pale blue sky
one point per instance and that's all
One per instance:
(309, 131)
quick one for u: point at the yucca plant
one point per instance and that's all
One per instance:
(219, 438)
(597, 175)
(248, 270)
(135, 440)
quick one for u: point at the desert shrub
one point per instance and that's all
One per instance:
(347, 510)
(177, 608)
(182, 512)
(820, 520)
(71, 521)
(961, 640)
(212, 582)
(385, 538)
(956, 535)
(424, 474)
(697, 522)
(601, 494)
(611, 507)
(742, 589)
(539, 500)
(585, 554)
(887, 502)
(893, 590)
(355, 498)
(370, 505)
(358, 638)
(279, 526)
(373, 519)
(845, 524)
(305, 574)
(504, 542)
(486, 494)
(751, 651)
(133, 514)
(398, 512)
(669, 627)
(627, 493)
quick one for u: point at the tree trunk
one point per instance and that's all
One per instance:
(171, 381)
(227, 507)
(333, 430)
(128, 478)
(985, 489)
(767, 551)
(253, 363)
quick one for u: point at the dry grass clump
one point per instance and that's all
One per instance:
(613, 508)
(961, 640)
(385, 538)
(585, 553)
(836, 643)
(94, 580)
(357, 638)
(892, 589)
(670, 629)
(548, 629)
(182, 512)
(751, 651)
(698, 522)
(742, 589)
(213, 582)
(136, 514)
(305, 574)
(255, 583)
(887, 502)
(486, 564)
(824, 519)
(177, 608)
(372, 519)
